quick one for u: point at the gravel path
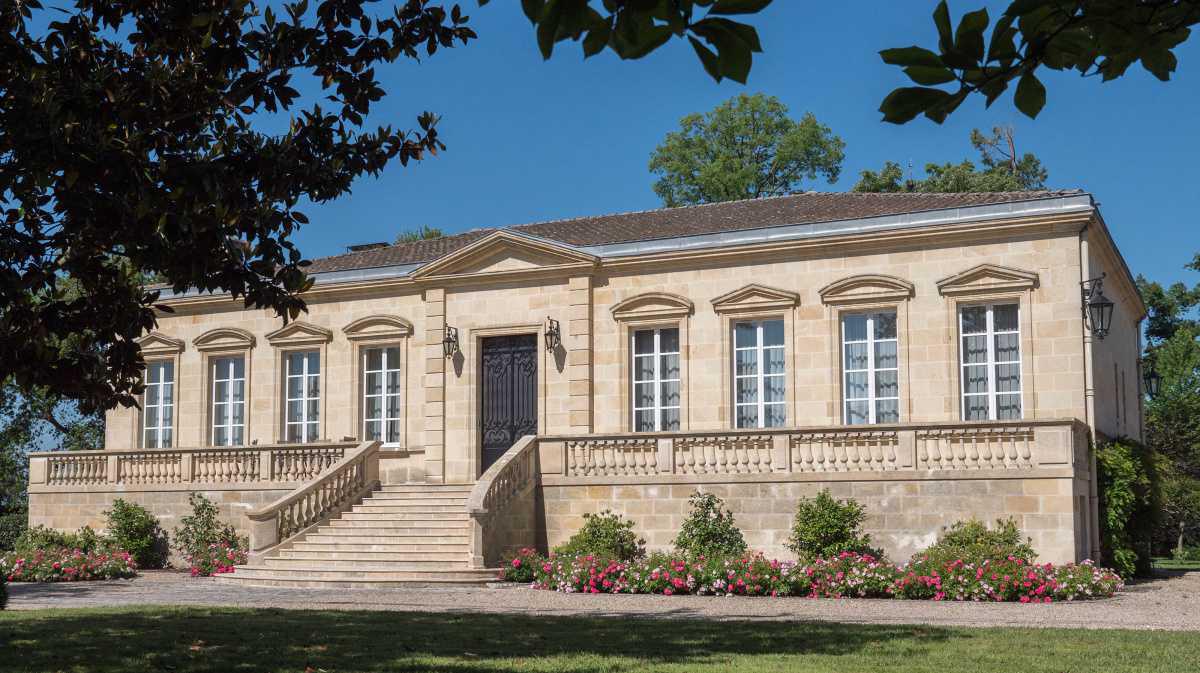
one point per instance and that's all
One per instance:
(1171, 602)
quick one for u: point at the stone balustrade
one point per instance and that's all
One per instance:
(333, 490)
(503, 503)
(929, 447)
(182, 469)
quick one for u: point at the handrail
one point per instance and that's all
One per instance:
(338, 486)
(198, 449)
(505, 480)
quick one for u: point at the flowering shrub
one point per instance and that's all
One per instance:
(62, 565)
(847, 575)
(522, 568)
(217, 557)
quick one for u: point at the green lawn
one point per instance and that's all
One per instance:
(179, 640)
(1172, 564)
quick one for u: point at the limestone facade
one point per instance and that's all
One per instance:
(507, 284)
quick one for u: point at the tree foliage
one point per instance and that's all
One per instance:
(1000, 170)
(1095, 38)
(169, 139)
(745, 148)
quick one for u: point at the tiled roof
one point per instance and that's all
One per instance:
(711, 218)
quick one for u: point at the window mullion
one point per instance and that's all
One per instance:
(871, 392)
(760, 369)
(991, 363)
(657, 384)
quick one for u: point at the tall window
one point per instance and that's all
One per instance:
(870, 368)
(158, 405)
(991, 362)
(656, 380)
(302, 409)
(759, 374)
(381, 394)
(229, 401)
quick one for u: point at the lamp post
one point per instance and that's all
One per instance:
(1153, 382)
(1097, 309)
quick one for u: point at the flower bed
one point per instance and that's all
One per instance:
(217, 558)
(63, 565)
(848, 575)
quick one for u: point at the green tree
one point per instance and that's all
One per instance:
(144, 135)
(422, 233)
(1095, 38)
(745, 148)
(1000, 170)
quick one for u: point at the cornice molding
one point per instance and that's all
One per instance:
(378, 327)
(965, 233)
(156, 343)
(224, 338)
(987, 278)
(652, 305)
(866, 288)
(299, 333)
(755, 297)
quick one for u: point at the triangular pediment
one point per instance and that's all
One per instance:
(504, 252)
(866, 287)
(987, 278)
(224, 338)
(299, 333)
(652, 305)
(755, 297)
(378, 327)
(157, 343)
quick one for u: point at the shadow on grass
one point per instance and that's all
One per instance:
(220, 639)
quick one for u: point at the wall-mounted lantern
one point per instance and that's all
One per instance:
(450, 341)
(1153, 382)
(553, 334)
(1097, 309)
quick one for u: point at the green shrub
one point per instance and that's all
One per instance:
(973, 542)
(709, 530)
(605, 535)
(825, 527)
(1191, 553)
(1130, 505)
(12, 526)
(202, 528)
(40, 538)
(134, 529)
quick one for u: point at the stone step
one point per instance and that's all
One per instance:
(398, 527)
(451, 558)
(344, 579)
(325, 565)
(377, 544)
(426, 488)
(450, 497)
(365, 536)
(356, 515)
(415, 508)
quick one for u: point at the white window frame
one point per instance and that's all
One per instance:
(231, 383)
(383, 395)
(759, 376)
(657, 407)
(165, 395)
(872, 370)
(304, 421)
(992, 363)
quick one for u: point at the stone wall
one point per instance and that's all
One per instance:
(905, 512)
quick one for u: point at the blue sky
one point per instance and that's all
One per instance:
(532, 140)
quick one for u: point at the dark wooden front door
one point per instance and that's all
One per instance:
(508, 404)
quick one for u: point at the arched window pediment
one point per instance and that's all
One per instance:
(652, 305)
(866, 288)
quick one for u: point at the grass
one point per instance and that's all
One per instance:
(1173, 564)
(181, 640)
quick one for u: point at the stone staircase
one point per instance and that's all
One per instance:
(407, 535)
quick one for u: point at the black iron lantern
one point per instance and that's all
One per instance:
(553, 334)
(450, 341)
(1097, 309)
(1153, 381)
